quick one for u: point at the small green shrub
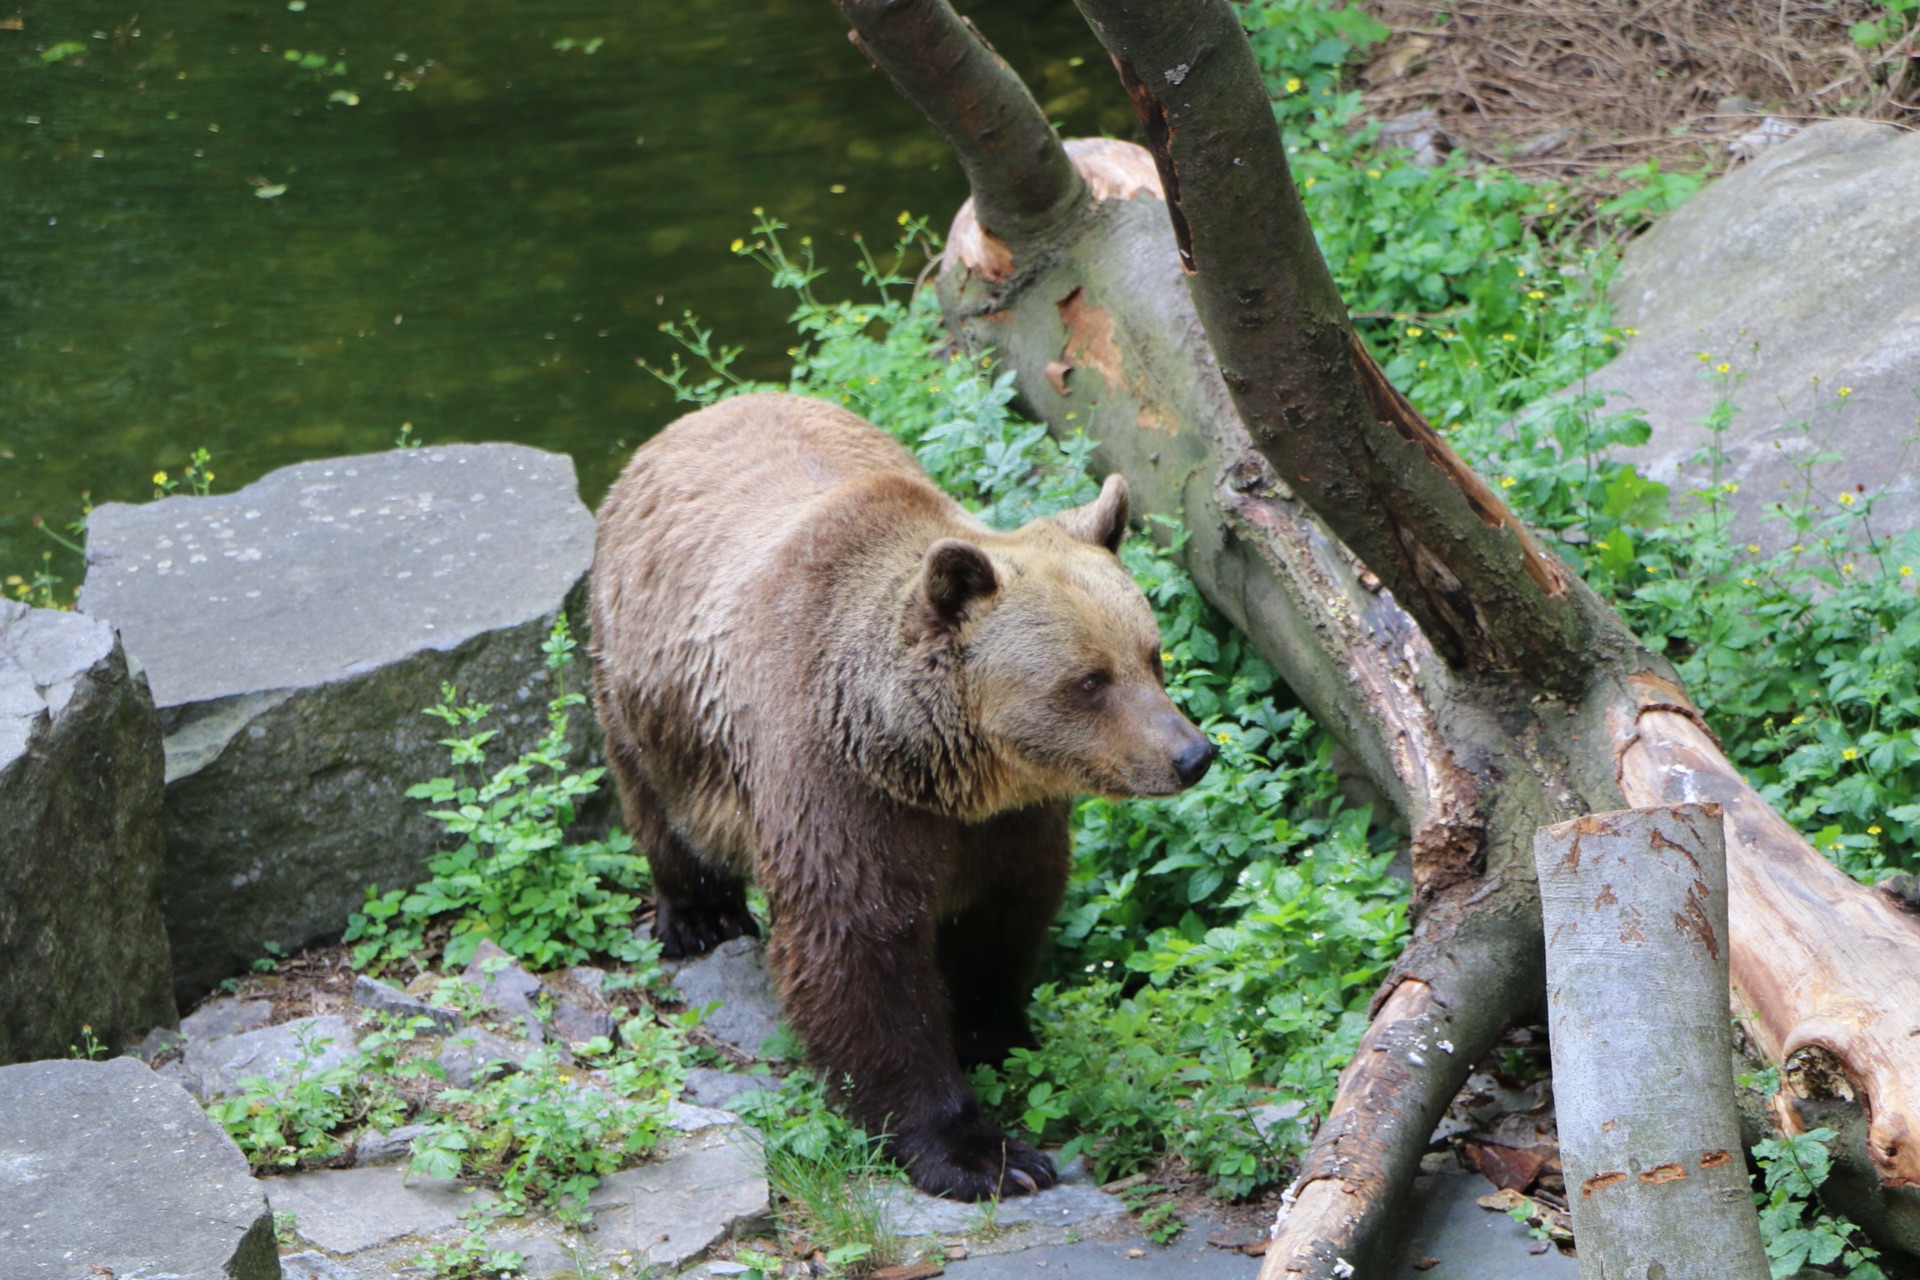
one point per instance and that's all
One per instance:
(514, 877)
(538, 1136)
(1798, 1234)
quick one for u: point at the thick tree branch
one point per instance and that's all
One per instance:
(1102, 336)
(1335, 431)
(1022, 182)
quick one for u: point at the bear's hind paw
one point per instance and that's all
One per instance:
(982, 1166)
(692, 929)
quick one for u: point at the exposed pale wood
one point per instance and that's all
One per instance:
(1635, 909)
(1819, 960)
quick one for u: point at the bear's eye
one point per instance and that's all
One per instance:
(1093, 682)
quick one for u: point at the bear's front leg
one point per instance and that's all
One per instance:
(865, 998)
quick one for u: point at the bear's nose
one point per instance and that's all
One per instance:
(1194, 759)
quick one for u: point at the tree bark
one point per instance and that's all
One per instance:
(1507, 697)
(1635, 908)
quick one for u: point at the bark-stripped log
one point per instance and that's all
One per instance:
(1094, 317)
(1635, 906)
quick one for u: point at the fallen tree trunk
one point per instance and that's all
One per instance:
(1635, 906)
(1533, 705)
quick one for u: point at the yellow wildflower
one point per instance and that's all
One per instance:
(1849, 754)
(1631, 333)
(1373, 173)
(1722, 367)
(1873, 831)
(1414, 331)
(1507, 482)
(1846, 499)
(1536, 293)
(1753, 547)
(1508, 337)
(1845, 392)
(738, 244)
(1731, 487)
(1906, 571)
(1293, 84)
(159, 477)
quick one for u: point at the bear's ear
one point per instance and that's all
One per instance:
(955, 573)
(1102, 522)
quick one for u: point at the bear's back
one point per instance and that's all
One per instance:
(687, 535)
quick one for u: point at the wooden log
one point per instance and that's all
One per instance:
(1634, 905)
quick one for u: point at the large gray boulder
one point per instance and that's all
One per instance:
(1803, 264)
(292, 632)
(80, 850)
(108, 1170)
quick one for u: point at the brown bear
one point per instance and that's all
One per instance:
(819, 673)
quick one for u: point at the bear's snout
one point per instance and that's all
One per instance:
(1191, 762)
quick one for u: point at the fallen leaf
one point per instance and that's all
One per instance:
(909, 1271)
(1508, 1168)
(15, 23)
(1425, 1263)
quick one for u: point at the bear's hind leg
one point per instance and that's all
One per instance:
(696, 906)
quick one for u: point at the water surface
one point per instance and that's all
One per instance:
(281, 230)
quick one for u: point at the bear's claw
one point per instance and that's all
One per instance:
(979, 1163)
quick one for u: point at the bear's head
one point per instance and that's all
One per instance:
(1059, 658)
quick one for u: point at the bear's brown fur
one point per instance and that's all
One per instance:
(818, 672)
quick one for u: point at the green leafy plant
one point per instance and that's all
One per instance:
(834, 1182)
(1798, 1234)
(537, 1136)
(297, 1117)
(514, 877)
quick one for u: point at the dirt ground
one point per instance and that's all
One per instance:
(1578, 89)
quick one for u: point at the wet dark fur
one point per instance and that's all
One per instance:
(816, 671)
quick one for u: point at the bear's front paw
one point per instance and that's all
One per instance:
(694, 928)
(973, 1160)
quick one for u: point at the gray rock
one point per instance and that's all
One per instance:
(303, 1047)
(292, 632)
(347, 1210)
(671, 1213)
(1808, 252)
(735, 974)
(82, 864)
(587, 978)
(104, 1165)
(472, 1055)
(309, 1265)
(381, 998)
(504, 986)
(914, 1213)
(226, 1016)
(690, 1119)
(707, 1087)
(396, 1147)
(576, 1025)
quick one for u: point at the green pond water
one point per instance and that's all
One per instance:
(279, 230)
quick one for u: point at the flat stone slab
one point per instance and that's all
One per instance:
(670, 1213)
(348, 1210)
(1796, 266)
(82, 863)
(293, 632)
(734, 974)
(308, 1265)
(277, 1053)
(1065, 1204)
(107, 1169)
(226, 1016)
(1444, 1222)
(707, 1087)
(1131, 1257)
